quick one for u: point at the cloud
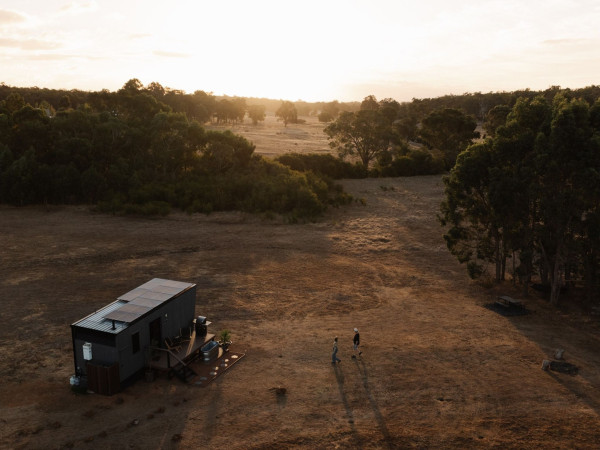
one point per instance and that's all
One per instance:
(74, 8)
(23, 58)
(140, 36)
(565, 41)
(10, 17)
(171, 54)
(49, 57)
(28, 44)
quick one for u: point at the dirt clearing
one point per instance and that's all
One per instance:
(438, 370)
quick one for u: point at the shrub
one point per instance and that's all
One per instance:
(416, 162)
(325, 116)
(474, 270)
(327, 165)
(154, 208)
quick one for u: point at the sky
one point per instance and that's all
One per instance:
(304, 50)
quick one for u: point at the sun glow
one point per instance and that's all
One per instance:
(311, 50)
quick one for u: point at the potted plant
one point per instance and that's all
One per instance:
(225, 339)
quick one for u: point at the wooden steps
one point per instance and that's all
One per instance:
(182, 371)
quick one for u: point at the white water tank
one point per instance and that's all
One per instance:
(87, 351)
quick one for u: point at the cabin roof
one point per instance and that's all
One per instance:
(118, 315)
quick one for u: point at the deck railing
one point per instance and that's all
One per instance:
(169, 354)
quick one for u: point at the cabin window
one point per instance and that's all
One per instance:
(135, 342)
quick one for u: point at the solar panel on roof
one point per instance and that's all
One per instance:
(132, 294)
(156, 295)
(138, 301)
(128, 313)
(166, 289)
(152, 283)
(175, 284)
(149, 302)
(122, 316)
(135, 309)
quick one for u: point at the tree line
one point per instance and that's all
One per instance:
(128, 151)
(387, 140)
(529, 195)
(202, 106)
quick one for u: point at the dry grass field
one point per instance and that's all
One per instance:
(272, 138)
(439, 369)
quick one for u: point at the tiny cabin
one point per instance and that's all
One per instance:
(112, 345)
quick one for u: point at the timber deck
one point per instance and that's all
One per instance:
(164, 359)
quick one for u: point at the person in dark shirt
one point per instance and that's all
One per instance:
(356, 341)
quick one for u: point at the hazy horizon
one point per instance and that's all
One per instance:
(314, 51)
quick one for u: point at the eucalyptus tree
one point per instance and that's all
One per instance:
(568, 181)
(369, 103)
(495, 118)
(450, 131)
(364, 134)
(257, 113)
(287, 112)
(12, 103)
(239, 108)
(332, 108)
(533, 190)
(467, 209)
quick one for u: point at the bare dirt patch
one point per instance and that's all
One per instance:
(439, 370)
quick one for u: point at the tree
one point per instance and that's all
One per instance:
(303, 108)
(332, 107)
(257, 113)
(168, 154)
(369, 103)
(47, 108)
(329, 111)
(29, 132)
(495, 118)
(226, 111)
(405, 125)
(104, 101)
(205, 105)
(65, 103)
(238, 112)
(287, 112)
(156, 90)
(141, 107)
(13, 102)
(488, 205)
(450, 131)
(132, 86)
(389, 108)
(365, 134)
(325, 116)
(567, 165)
(19, 180)
(533, 189)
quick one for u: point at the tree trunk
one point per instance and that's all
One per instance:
(555, 283)
(590, 275)
(498, 257)
(514, 276)
(554, 272)
(526, 284)
(544, 273)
